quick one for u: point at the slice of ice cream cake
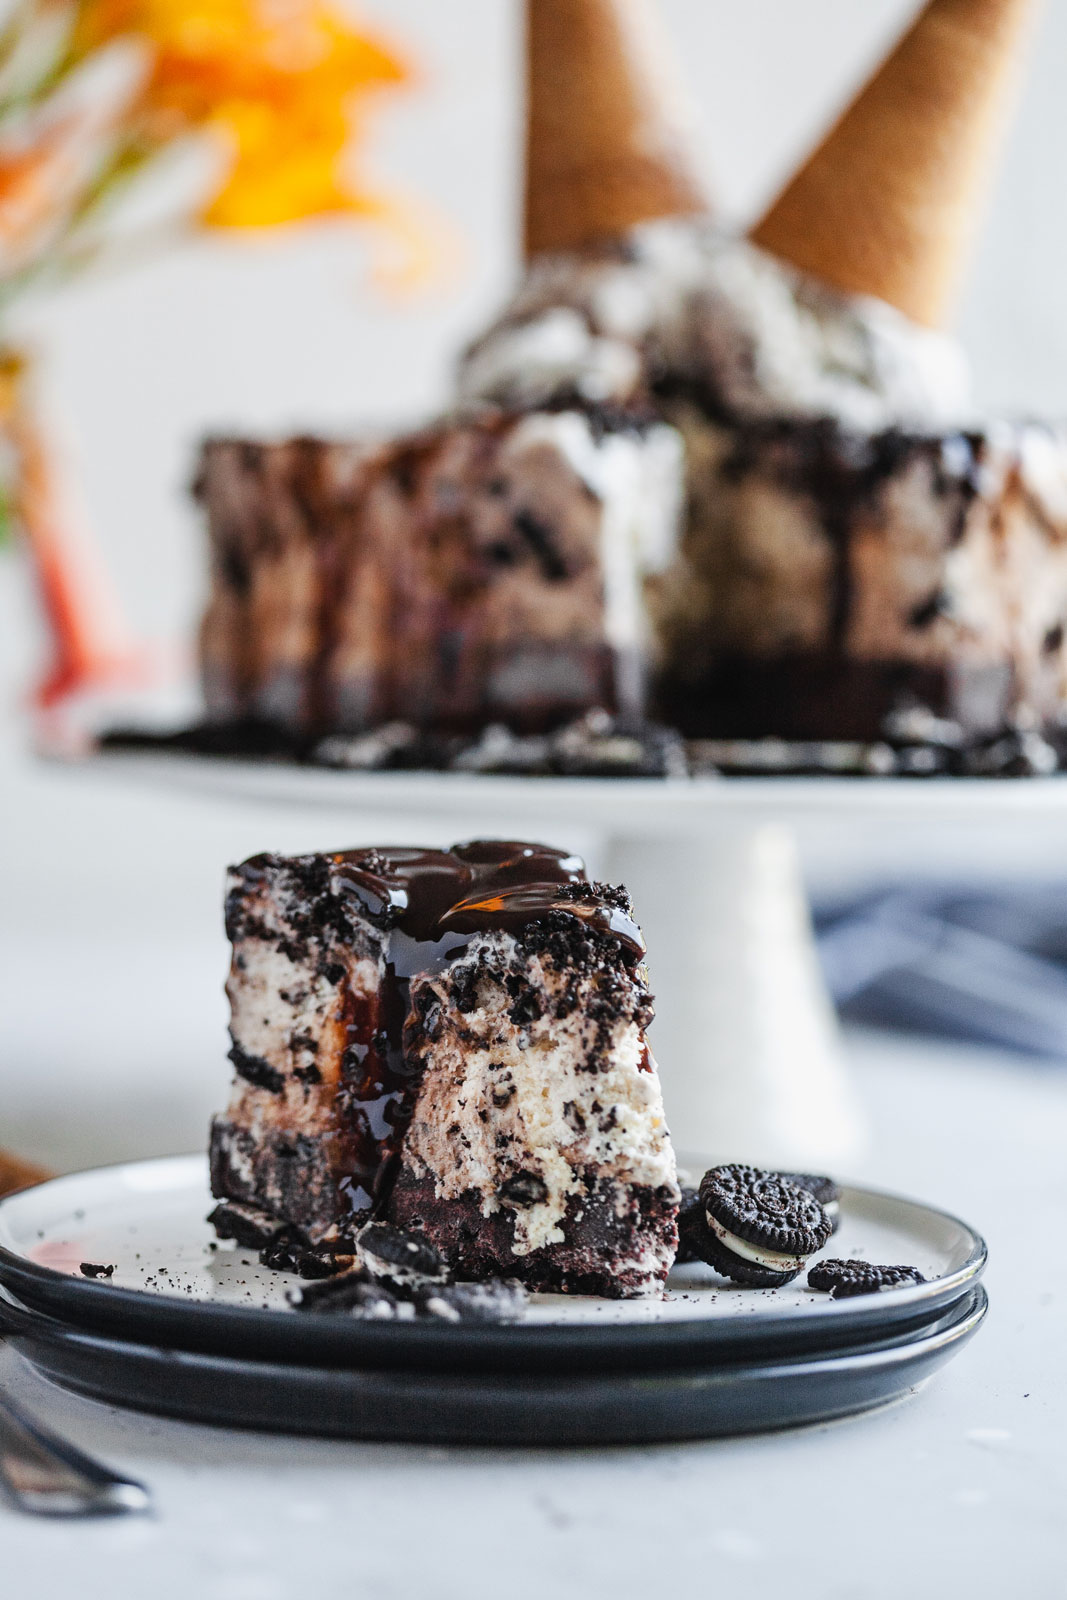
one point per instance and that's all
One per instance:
(454, 1040)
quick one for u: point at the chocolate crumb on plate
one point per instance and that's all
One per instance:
(92, 1269)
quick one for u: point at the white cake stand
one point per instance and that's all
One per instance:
(745, 1033)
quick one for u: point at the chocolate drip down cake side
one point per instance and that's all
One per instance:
(454, 1042)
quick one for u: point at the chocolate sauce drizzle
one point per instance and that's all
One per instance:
(429, 904)
(843, 471)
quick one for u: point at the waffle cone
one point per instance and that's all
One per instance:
(607, 137)
(888, 204)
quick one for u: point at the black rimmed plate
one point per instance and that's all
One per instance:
(436, 1407)
(173, 1287)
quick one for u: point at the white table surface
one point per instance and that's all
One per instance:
(111, 1015)
(959, 1490)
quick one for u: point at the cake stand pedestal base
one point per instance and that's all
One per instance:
(745, 1035)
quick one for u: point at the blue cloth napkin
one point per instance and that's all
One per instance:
(974, 965)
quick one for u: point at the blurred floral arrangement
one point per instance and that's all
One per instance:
(99, 102)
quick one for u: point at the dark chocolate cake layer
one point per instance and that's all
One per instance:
(795, 695)
(489, 993)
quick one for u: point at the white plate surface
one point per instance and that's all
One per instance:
(148, 1220)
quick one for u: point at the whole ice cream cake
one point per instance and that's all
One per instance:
(858, 554)
(453, 1041)
(855, 545)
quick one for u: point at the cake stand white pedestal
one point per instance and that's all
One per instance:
(744, 1034)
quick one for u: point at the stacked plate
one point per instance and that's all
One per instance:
(184, 1326)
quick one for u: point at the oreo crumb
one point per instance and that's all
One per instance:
(523, 1189)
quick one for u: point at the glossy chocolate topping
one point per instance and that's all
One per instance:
(445, 897)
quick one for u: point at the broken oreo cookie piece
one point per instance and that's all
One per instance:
(355, 1295)
(247, 1225)
(405, 1261)
(494, 1300)
(762, 1227)
(289, 1251)
(402, 1276)
(843, 1279)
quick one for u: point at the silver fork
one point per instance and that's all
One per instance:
(47, 1475)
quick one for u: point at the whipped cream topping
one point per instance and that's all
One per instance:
(682, 302)
(758, 1254)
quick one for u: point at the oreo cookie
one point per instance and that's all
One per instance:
(761, 1226)
(842, 1279)
(692, 1226)
(825, 1191)
(401, 1276)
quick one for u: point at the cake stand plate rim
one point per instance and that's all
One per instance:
(610, 802)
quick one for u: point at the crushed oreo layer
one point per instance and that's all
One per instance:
(917, 743)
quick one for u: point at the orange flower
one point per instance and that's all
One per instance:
(32, 179)
(280, 82)
(278, 79)
(287, 164)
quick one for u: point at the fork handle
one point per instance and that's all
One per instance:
(49, 1476)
